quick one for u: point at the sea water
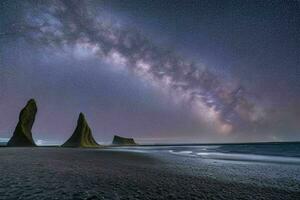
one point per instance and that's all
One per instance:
(283, 153)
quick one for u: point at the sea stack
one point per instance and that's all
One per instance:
(22, 136)
(118, 140)
(82, 136)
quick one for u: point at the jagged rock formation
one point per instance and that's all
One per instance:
(82, 136)
(118, 140)
(22, 135)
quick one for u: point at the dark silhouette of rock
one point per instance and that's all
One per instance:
(82, 136)
(22, 135)
(118, 140)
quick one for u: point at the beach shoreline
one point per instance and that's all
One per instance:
(72, 173)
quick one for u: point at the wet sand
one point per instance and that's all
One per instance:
(65, 173)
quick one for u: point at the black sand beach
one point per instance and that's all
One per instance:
(67, 173)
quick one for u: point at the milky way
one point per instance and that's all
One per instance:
(224, 105)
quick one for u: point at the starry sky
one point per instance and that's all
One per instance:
(159, 71)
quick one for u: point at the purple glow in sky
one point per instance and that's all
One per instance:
(155, 75)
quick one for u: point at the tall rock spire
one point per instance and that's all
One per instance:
(82, 136)
(22, 135)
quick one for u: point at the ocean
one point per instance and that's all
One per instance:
(281, 153)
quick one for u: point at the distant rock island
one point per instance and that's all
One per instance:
(118, 140)
(22, 135)
(82, 136)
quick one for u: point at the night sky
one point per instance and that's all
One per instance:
(158, 71)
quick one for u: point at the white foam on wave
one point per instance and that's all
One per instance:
(185, 152)
(248, 157)
(214, 155)
(125, 150)
(189, 153)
